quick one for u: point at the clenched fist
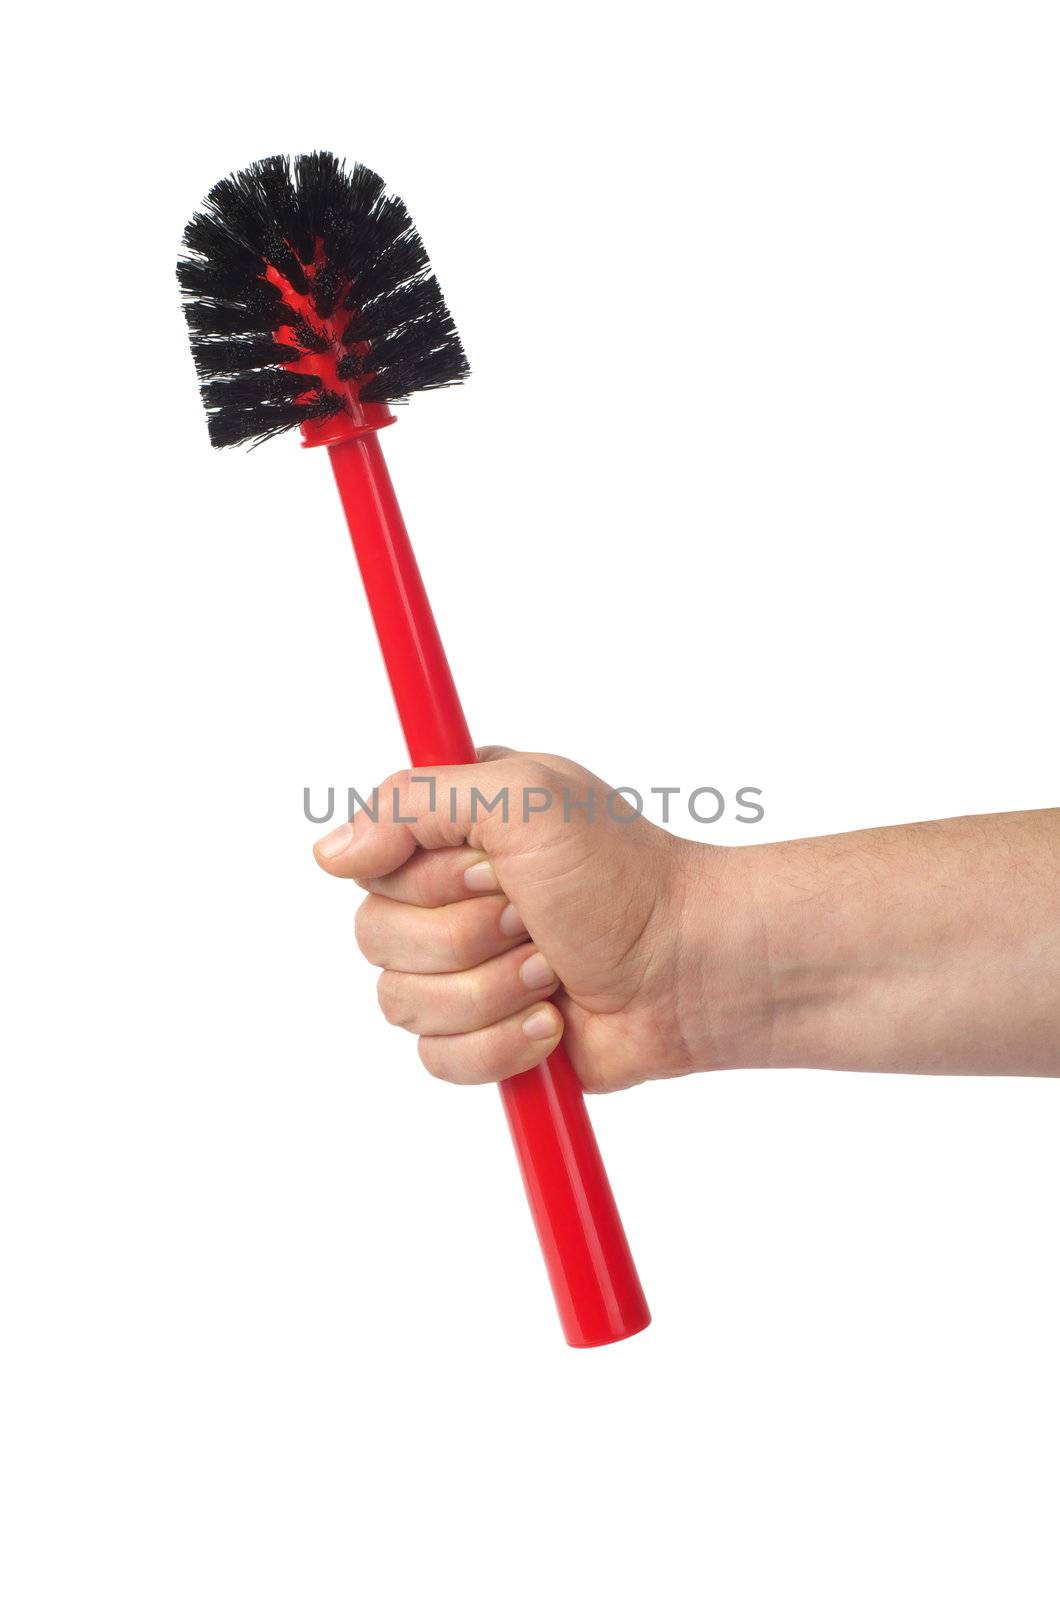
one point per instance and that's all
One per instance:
(498, 930)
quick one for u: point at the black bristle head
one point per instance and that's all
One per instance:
(322, 252)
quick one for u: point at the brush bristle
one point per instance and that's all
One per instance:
(309, 265)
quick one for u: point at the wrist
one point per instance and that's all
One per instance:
(724, 990)
(757, 986)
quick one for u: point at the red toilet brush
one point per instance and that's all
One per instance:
(310, 304)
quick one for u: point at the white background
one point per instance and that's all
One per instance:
(755, 483)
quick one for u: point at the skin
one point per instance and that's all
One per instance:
(932, 947)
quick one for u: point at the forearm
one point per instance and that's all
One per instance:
(933, 947)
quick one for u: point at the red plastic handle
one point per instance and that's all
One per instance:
(598, 1294)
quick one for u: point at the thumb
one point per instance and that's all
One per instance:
(438, 806)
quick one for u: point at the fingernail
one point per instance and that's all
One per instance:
(511, 922)
(334, 843)
(481, 876)
(540, 1024)
(536, 972)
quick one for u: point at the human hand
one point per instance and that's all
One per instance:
(496, 937)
